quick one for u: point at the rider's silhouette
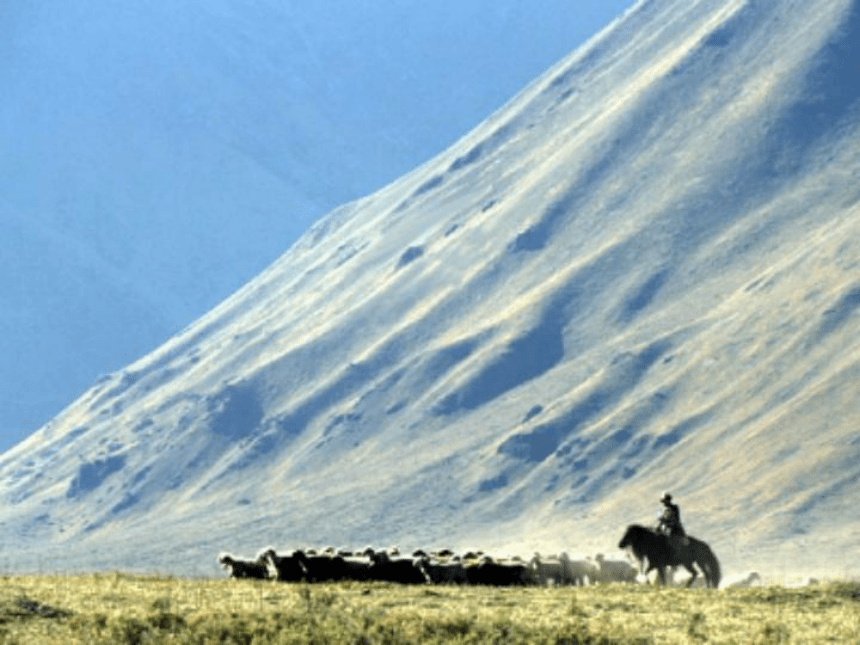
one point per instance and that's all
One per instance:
(669, 525)
(670, 521)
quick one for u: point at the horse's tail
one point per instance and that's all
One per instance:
(717, 574)
(707, 560)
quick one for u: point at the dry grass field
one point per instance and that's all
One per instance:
(120, 608)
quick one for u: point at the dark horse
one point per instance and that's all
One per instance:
(658, 549)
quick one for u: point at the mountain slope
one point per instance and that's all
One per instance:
(178, 147)
(638, 275)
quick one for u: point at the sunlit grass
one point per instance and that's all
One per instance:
(118, 608)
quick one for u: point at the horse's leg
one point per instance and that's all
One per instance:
(646, 571)
(689, 567)
(641, 558)
(661, 575)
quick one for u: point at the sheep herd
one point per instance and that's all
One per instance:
(436, 567)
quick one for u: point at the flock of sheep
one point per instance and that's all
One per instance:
(438, 567)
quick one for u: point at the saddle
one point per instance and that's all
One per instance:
(677, 541)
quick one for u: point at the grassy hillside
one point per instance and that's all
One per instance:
(118, 608)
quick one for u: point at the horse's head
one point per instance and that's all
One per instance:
(631, 537)
(638, 537)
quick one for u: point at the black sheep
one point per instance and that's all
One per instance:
(245, 568)
(402, 570)
(284, 568)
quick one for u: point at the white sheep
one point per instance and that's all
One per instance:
(613, 570)
(747, 579)
(551, 570)
(581, 572)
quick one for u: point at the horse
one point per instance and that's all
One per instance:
(661, 551)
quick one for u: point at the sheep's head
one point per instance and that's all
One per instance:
(380, 557)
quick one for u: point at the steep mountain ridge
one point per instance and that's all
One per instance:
(158, 156)
(638, 275)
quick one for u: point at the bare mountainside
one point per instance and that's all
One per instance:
(157, 156)
(639, 275)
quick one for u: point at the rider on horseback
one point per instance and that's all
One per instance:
(669, 523)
